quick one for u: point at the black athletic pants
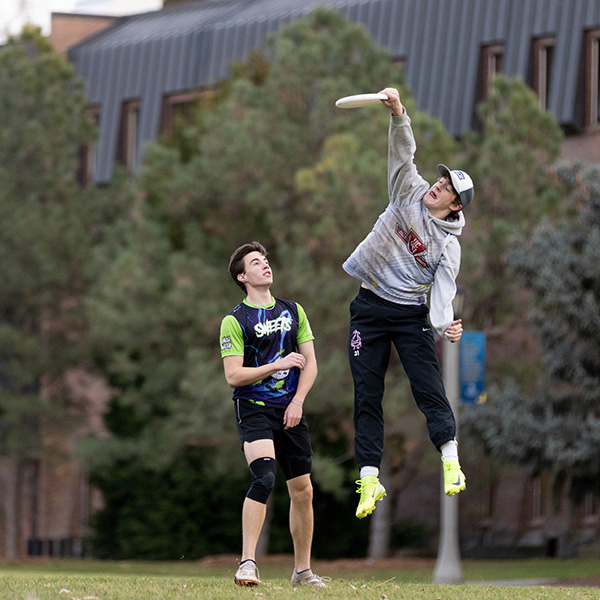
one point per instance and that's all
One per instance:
(376, 324)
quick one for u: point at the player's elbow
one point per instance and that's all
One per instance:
(232, 382)
(233, 379)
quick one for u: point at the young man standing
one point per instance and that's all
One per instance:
(411, 251)
(269, 361)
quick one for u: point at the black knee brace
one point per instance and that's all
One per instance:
(263, 472)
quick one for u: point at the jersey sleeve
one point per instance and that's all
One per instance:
(232, 338)
(305, 333)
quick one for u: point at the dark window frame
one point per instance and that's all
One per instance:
(592, 79)
(541, 68)
(129, 133)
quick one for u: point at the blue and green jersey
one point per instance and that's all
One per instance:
(263, 334)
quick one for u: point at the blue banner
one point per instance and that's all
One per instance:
(472, 367)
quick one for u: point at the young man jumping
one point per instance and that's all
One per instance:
(269, 361)
(412, 251)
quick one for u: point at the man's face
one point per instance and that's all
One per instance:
(257, 271)
(441, 196)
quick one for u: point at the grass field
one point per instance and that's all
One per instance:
(213, 579)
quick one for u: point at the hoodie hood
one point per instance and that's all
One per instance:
(453, 224)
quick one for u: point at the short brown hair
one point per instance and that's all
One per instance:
(236, 262)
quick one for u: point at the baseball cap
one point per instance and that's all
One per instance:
(461, 182)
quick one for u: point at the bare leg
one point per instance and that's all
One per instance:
(301, 520)
(253, 517)
(253, 512)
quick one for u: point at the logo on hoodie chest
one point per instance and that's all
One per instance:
(414, 245)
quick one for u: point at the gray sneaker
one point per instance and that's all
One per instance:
(247, 574)
(309, 578)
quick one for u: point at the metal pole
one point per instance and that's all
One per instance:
(448, 568)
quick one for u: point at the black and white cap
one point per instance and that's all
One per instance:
(461, 182)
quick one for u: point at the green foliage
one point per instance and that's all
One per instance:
(410, 534)
(153, 334)
(47, 227)
(557, 429)
(253, 142)
(166, 514)
(43, 120)
(509, 162)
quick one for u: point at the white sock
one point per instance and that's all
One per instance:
(450, 449)
(366, 471)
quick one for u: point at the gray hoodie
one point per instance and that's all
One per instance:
(410, 253)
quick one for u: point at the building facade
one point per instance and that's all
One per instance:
(143, 69)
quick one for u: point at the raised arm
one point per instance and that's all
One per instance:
(405, 185)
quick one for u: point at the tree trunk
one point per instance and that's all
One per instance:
(381, 521)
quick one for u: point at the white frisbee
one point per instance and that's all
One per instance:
(359, 100)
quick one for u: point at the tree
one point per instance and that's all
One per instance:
(48, 224)
(512, 162)
(509, 160)
(557, 429)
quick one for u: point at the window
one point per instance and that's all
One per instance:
(492, 65)
(592, 78)
(128, 134)
(88, 152)
(541, 490)
(399, 62)
(180, 106)
(543, 53)
(536, 499)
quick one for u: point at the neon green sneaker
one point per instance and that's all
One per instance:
(370, 491)
(454, 479)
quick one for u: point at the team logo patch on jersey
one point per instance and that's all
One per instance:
(226, 343)
(414, 244)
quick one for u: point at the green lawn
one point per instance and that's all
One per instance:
(97, 580)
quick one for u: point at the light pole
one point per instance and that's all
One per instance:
(448, 567)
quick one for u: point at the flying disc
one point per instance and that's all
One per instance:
(359, 100)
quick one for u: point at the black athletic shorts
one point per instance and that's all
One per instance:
(293, 450)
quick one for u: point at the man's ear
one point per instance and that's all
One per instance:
(241, 277)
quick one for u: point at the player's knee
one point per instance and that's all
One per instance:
(301, 491)
(263, 471)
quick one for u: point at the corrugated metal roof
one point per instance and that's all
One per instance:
(192, 45)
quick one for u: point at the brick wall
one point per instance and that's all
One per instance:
(68, 29)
